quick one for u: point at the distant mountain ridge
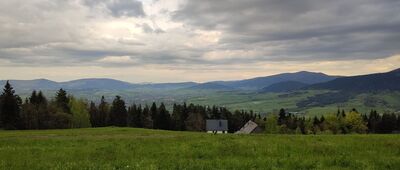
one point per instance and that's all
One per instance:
(111, 84)
(370, 82)
(262, 82)
(210, 86)
(273, 83)
(96, 83)
(285, 86)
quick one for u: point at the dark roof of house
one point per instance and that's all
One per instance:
(216, 125)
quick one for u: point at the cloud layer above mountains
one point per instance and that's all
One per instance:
(202, 40)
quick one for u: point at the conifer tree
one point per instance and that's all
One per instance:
(147, 119)
(388, 123)
(103, 113)
(177, 123)
(139, 117)
(163, 118)
(282, 117)
(62, 101)
(154, 115)
(94, 115)
(10, 108)
(131, 116)
(118, 113)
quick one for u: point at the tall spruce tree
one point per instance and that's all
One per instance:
(147, 119)
(10, 108)
(282, 117)
(94, 115)
(176, 122)
(103, 113)
(62, 101)
(27, 115)
(373, 121)
(154, 115)
(131, 115)
(163, 118)
(138, 119)
(118, 113)
(388, 123)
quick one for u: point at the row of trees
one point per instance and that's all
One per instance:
(36, 112)
(339, 123)
(64, 111)
(183, 117)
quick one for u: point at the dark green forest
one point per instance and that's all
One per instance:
(65, 111)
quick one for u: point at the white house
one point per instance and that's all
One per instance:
(217, 126)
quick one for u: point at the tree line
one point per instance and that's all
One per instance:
(65, 111)
(339, 123)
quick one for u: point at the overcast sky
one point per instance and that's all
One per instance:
(195, 40)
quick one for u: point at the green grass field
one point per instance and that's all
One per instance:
(127, 148)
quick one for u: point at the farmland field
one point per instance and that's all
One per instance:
(129, 148)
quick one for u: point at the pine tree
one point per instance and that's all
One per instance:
(177, 123)
(154, 115)
(398, 123)
(163, 118)
(131, 116)
(138, 119)
(28, 116)
(94, 115)
(282, 117)
(62, 101)
(195, 122)
(39, 101)
(118, 113)
(147, 119)
(135, 116)
(388, 123)
(10, 108)
(103, 113)
(373, 121)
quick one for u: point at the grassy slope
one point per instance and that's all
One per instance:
(264, 102)
(271, 102)
(125, 148)
(247, 100)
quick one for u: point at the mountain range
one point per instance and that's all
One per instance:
(275, 83)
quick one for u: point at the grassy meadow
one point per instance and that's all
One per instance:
(129, 148)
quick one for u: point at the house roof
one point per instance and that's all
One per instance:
(249, 127)
(216, 125)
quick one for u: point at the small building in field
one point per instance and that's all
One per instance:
(249, 127)
(217, 126)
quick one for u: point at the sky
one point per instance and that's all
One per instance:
(195, 40)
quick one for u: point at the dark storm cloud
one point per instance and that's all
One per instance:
(306, 29)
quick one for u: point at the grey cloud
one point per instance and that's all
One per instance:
(148, 29)
(58, 33)
(321, 30)
(119, 8)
